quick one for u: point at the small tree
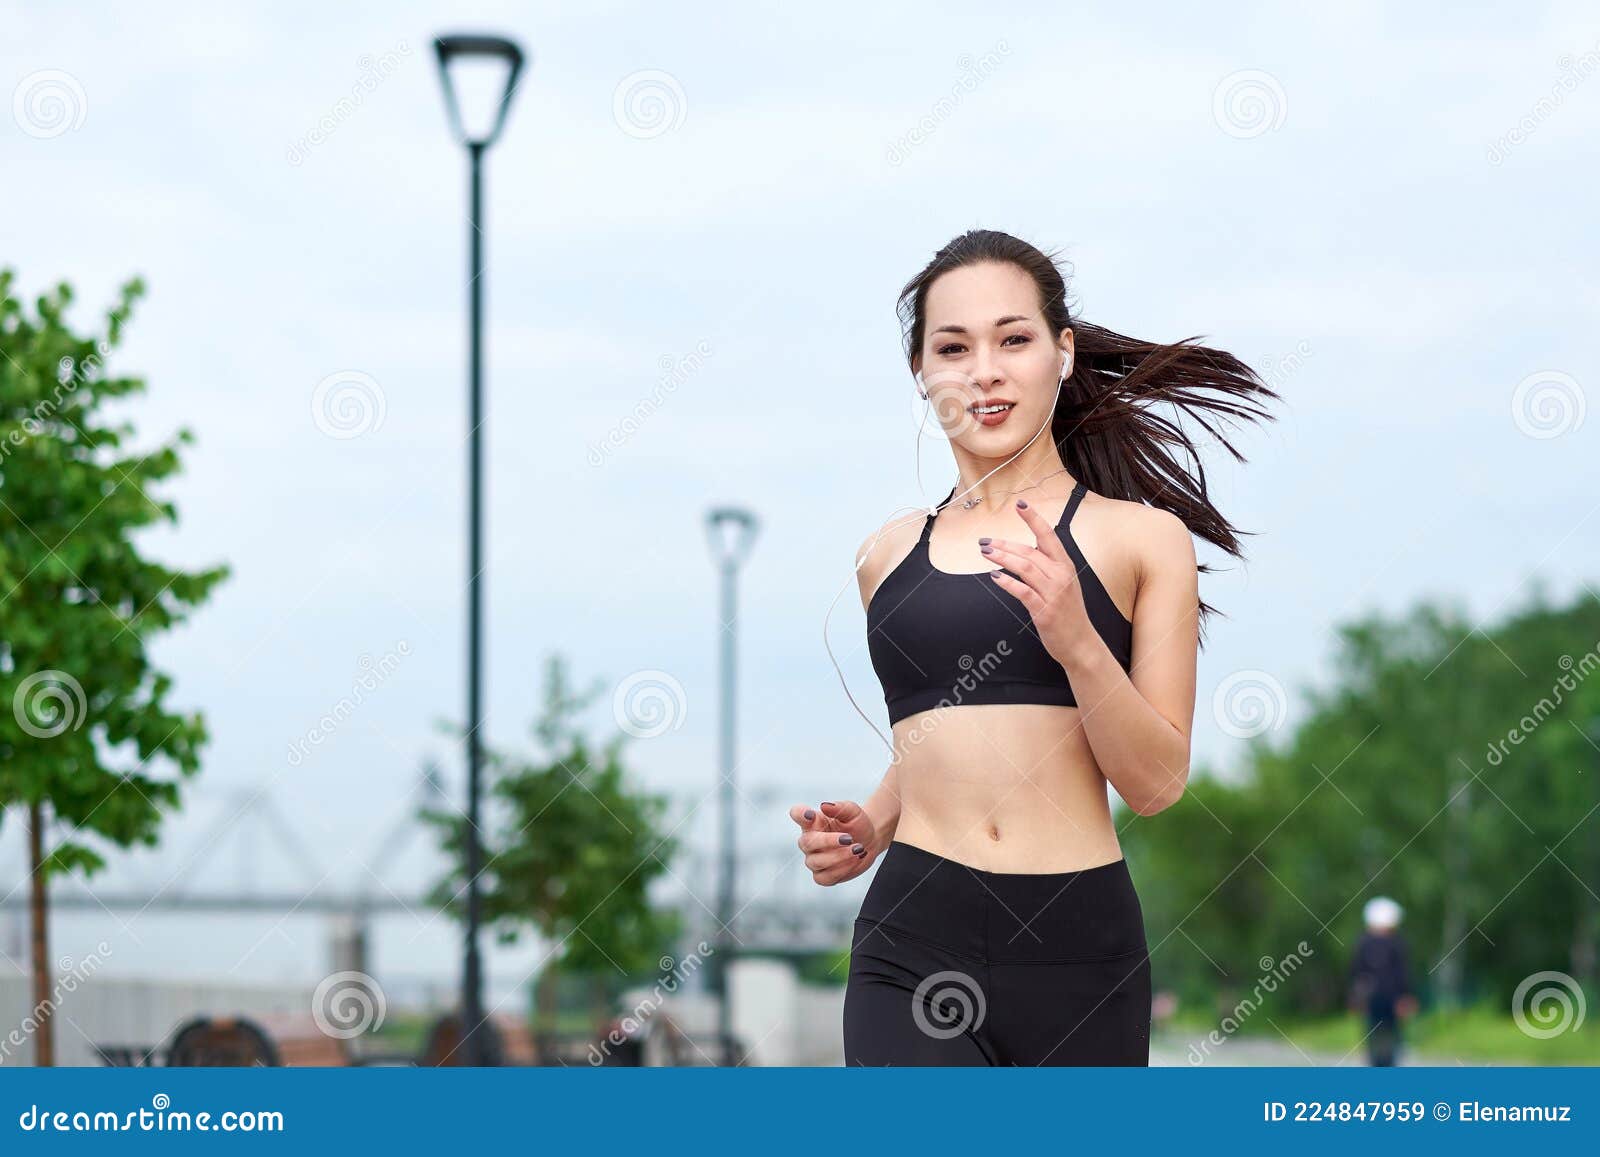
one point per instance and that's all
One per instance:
(79, 604)
(570, 852)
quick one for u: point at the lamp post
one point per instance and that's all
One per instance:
(465, 62)
(731, 532)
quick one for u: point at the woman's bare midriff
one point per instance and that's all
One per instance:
(1004, 787)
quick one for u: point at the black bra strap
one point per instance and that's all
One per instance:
(927, 522)
(1072, 503)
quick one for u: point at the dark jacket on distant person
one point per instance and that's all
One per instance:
(1378, 966)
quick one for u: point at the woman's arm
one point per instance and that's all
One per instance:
(883, 805)
(1138, 722)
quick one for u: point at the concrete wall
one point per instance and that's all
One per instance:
(107, 1010)
(782, 1021)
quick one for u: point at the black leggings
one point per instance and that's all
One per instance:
(950, 965)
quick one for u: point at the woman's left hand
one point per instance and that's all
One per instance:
(1046, 583)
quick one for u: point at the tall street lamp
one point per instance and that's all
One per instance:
(479, 74)
(731, 532)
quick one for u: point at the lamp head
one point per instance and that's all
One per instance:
(479, 74)
(731, 531)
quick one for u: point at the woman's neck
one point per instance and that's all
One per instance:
(1031, 474)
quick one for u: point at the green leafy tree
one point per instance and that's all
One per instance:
(85, 723)
(1452, 766)
(569, 851)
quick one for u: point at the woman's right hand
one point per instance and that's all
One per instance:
(838, 839)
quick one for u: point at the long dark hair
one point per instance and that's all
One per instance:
(1104, 427)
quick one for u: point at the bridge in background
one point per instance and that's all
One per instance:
(777, 917)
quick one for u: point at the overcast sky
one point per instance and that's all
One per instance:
(703, 214)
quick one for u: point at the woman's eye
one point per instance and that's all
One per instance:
(954, 348)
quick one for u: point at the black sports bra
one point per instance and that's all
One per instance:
(938, 638)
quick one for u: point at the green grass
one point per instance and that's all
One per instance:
(401, 1032)
(1479, 1035)
(408, 1031)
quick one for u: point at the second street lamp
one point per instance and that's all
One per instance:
(465, 62)
(731, 531)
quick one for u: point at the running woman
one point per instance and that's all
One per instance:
(1035, 637)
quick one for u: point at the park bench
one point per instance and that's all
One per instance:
(269, 1039)
(508, 1041)
(300, 1041)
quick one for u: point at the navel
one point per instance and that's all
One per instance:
(994, 832)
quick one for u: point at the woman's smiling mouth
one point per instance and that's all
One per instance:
(991, 413)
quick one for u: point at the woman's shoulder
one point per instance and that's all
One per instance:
(885, 548)
(1147, 538)
(1140, 518)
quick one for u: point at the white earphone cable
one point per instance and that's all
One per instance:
(923, 512)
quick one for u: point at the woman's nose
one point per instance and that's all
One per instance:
(984, 365)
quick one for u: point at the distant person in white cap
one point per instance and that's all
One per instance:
(1379, 982)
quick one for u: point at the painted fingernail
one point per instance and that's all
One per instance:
(811, 814)
(1022, 504)
(827, 803)
(986, 549)
(985, 541)
(857, 850)
(845, 837)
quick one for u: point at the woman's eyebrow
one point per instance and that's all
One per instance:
(1007, 320)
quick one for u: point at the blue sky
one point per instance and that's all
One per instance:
(1388, 216)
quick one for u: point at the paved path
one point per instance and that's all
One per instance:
(1194, 1050)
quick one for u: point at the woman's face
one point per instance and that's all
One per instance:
(986, 343)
